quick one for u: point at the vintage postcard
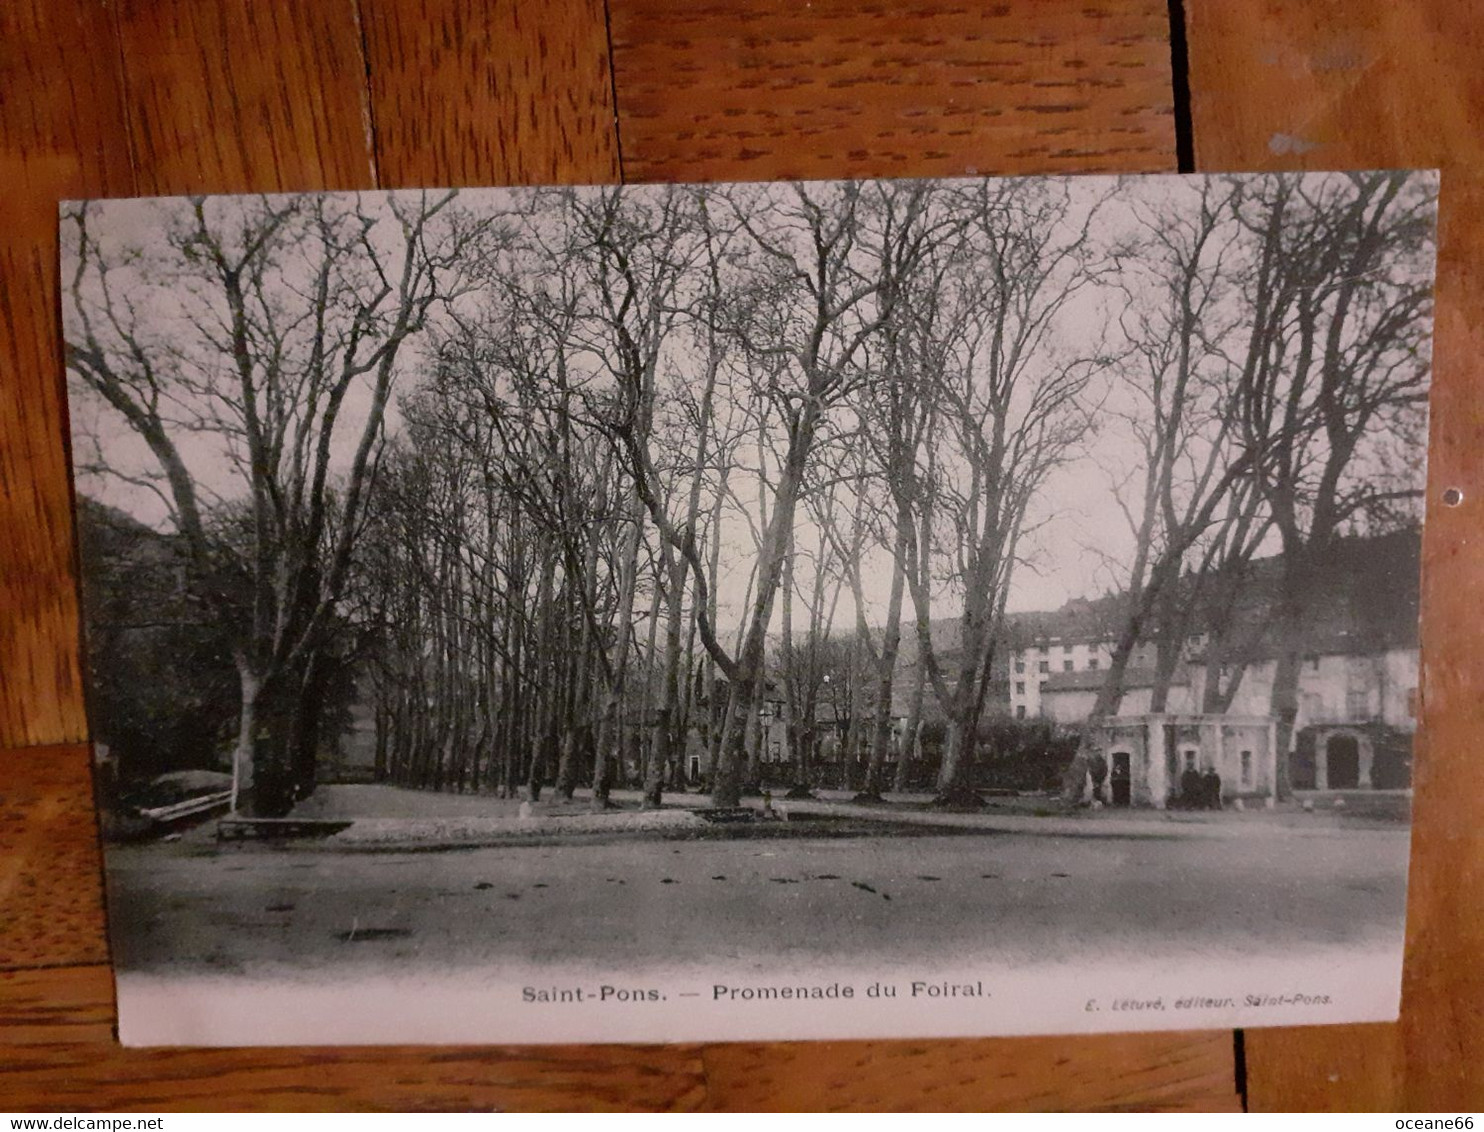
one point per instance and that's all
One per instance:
(835, 609)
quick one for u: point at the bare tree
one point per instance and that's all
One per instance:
(1008, 412)
(1336, 373)
(274, 327)
(1178, 406)
(809, 295)
(851, 545)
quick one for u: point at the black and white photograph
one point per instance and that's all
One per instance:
(753, 611)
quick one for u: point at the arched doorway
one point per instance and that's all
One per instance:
(1342, 762)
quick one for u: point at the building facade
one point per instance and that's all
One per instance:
(1358, 676)
(1149, 755)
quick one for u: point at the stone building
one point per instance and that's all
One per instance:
(1357, 683)
(1148, 754)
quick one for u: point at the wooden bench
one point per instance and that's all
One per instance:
(190, 807)
(276, 829)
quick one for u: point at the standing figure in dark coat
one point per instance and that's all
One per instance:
(1190, 789)
(1211, 788)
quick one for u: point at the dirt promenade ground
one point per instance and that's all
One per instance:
(1147, 886)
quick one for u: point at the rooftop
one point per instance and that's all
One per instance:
(1090, 680)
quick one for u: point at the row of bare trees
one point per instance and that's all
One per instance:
(582, 478)
(1278, 363)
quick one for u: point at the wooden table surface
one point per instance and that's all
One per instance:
(124, 97)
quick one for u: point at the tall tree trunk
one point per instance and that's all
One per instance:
(907, 749)
(667, 732)
(788, 679)
(886, 671)
(243, 763)
(965, 707)
(726, 783)
(715, 711)
(1292, 624)
(573, 718)
(1169, 648)
(308, 689)
(753, 739)
(642, 734)
(1141, 601)
(609, 757)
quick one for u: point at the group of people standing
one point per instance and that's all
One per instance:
(1200, 789)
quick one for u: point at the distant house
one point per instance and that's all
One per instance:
(1357, 682)
(770, 737)
(1358, 675)
(1148, 757)
(1068, 697)
(1073, 641)
(1066, 650)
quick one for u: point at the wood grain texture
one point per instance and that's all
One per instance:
(238, 96)
(465, 92)
(56, 1006)
(1174, 1072)
(51, 891)
(1324, 1069)
(841, 88)
(366, 1079)
(1443, 989)
(1298, 84)
(1324, 84)
(61, 135)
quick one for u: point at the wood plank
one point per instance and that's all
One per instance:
(454, 1078)
(1324, 84)
(239, 96)
(1297, 84)
(51, 890)
(470, 93)
(1176, 1072)
(57, 1005)
(61, 135)
(1443, 990)
(840, 88)
(1324, 1069)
